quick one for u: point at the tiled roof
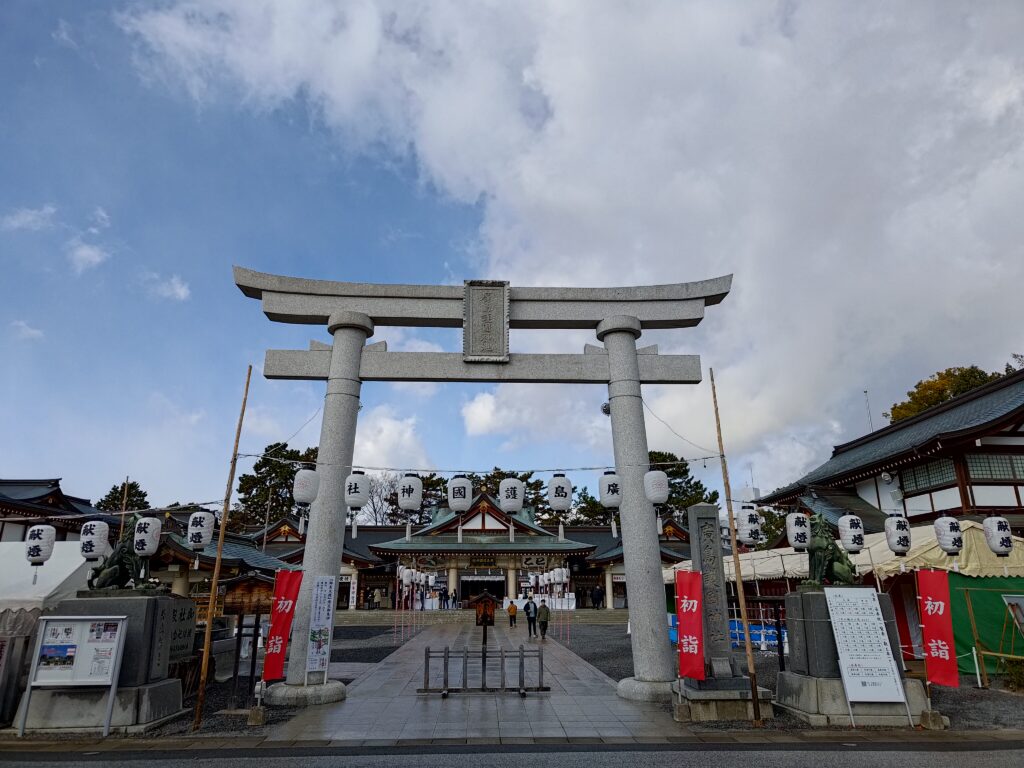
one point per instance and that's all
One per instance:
(498, 543)
(974, 410)
(235, 553)
(833, 504)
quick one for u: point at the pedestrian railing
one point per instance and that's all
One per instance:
(482, 670)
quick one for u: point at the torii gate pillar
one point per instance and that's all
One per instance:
(653, 667)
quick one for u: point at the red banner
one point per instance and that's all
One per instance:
(690, 629)
(286, 591)
(937, 628)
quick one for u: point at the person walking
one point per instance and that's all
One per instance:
(376, 598)
(455, 599)
(543, 617)
(530, 609)
(599, 599)
(444, 598)
(512, 610)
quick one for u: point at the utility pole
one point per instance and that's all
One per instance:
(751, 671)
(124, 506)
(212, 605)
(867, 404)
(266, 517)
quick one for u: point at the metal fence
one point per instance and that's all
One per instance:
(482, 670)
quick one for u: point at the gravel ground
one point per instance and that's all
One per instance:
(362, 644)
(608, 649)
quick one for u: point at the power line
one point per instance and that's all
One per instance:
(684, 439)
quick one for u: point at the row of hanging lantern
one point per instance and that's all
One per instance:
(948, 534)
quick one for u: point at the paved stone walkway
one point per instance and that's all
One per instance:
(383, 705)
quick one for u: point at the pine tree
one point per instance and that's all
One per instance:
(137, 498)
(271, 478)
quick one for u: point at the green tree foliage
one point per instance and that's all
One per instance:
(435, 494)
(774, 526)
(536, 491)
(938, 388)
(588, 510)
(137, 498)
(271, 478)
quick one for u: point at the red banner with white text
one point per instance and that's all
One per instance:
(690, 627)
(937, 628)
(286, 592)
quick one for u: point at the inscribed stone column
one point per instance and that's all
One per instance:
(325, 536)
(653, 665)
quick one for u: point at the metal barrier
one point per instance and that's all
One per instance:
(446, 656)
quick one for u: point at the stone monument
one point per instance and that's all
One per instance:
(485, 310)
(725, 694)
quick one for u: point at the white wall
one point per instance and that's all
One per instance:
(948, 498)
(994, 496)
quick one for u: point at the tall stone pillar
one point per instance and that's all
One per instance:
(654, 670)
(609, 604)
(453, 579)
(511, 583)
(325, 535)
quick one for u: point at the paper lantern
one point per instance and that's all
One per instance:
(94, 540)
(998, 536)
(851, 533)
(431, 579)
(610, 490)
(306, 486)
(656, 486)
(410, 493)
(460, 493)
(560, 493)
(200, 530)
(146, 540)
(798, 530)
(510, 495)
(897, 534)
(39, 543)
(407, 575)
(357, 490)
(949, 536)
(748, 526)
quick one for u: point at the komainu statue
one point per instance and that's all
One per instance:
(828, 563)
(122, 566)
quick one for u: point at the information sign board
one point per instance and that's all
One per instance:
(321, 624)
(865, 657)
(77, 651)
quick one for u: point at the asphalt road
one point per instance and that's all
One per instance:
(546, 757)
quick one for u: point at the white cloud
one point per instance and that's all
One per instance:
(31, 219)
(100, 218)
(858, 168)
(383, 439)
(62, 35)
(173, 288)
(83, 256)
(25, 332)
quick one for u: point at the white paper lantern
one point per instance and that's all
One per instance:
(560, 493)
(39, 543)
(94, 540)
(431, 579)
(798, 530)
(460, 493)
(510, 495)
(357, 490)
(410, 493)
(146, 540)
(200, 530)
(656, 486)
(306, 486)
(748, 526)
(851, 533)
(610, 490)
(998, 536)
(407, 575)
(949, 536)
(897, 534)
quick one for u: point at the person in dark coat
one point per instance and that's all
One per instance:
(530, 609)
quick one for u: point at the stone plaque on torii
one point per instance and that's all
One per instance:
(486, 310)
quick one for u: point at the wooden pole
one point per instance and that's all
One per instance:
(124, 506)
(736, 562)
(212, 605)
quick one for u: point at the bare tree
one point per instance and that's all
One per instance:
(380, 506)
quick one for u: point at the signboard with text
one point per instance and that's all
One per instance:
(865, 656)
(321, 624)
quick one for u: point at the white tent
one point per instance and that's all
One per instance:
(976, 559)
(59, 578)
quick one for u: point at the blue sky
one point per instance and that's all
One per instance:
(860, 174)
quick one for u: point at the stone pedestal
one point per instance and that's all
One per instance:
(159, 630)
(705, 705)
(811, 688)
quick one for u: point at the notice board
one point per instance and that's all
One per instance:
(80, 650)
(865, 657)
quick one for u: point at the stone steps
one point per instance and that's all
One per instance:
(383, 617)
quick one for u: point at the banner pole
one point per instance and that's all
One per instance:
(212, 605)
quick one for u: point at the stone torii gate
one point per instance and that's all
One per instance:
(485, 310)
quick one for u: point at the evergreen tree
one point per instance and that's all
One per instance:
(137, 498)
(684, 489)
(271, 479)
(587, 510)
(938, 388)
